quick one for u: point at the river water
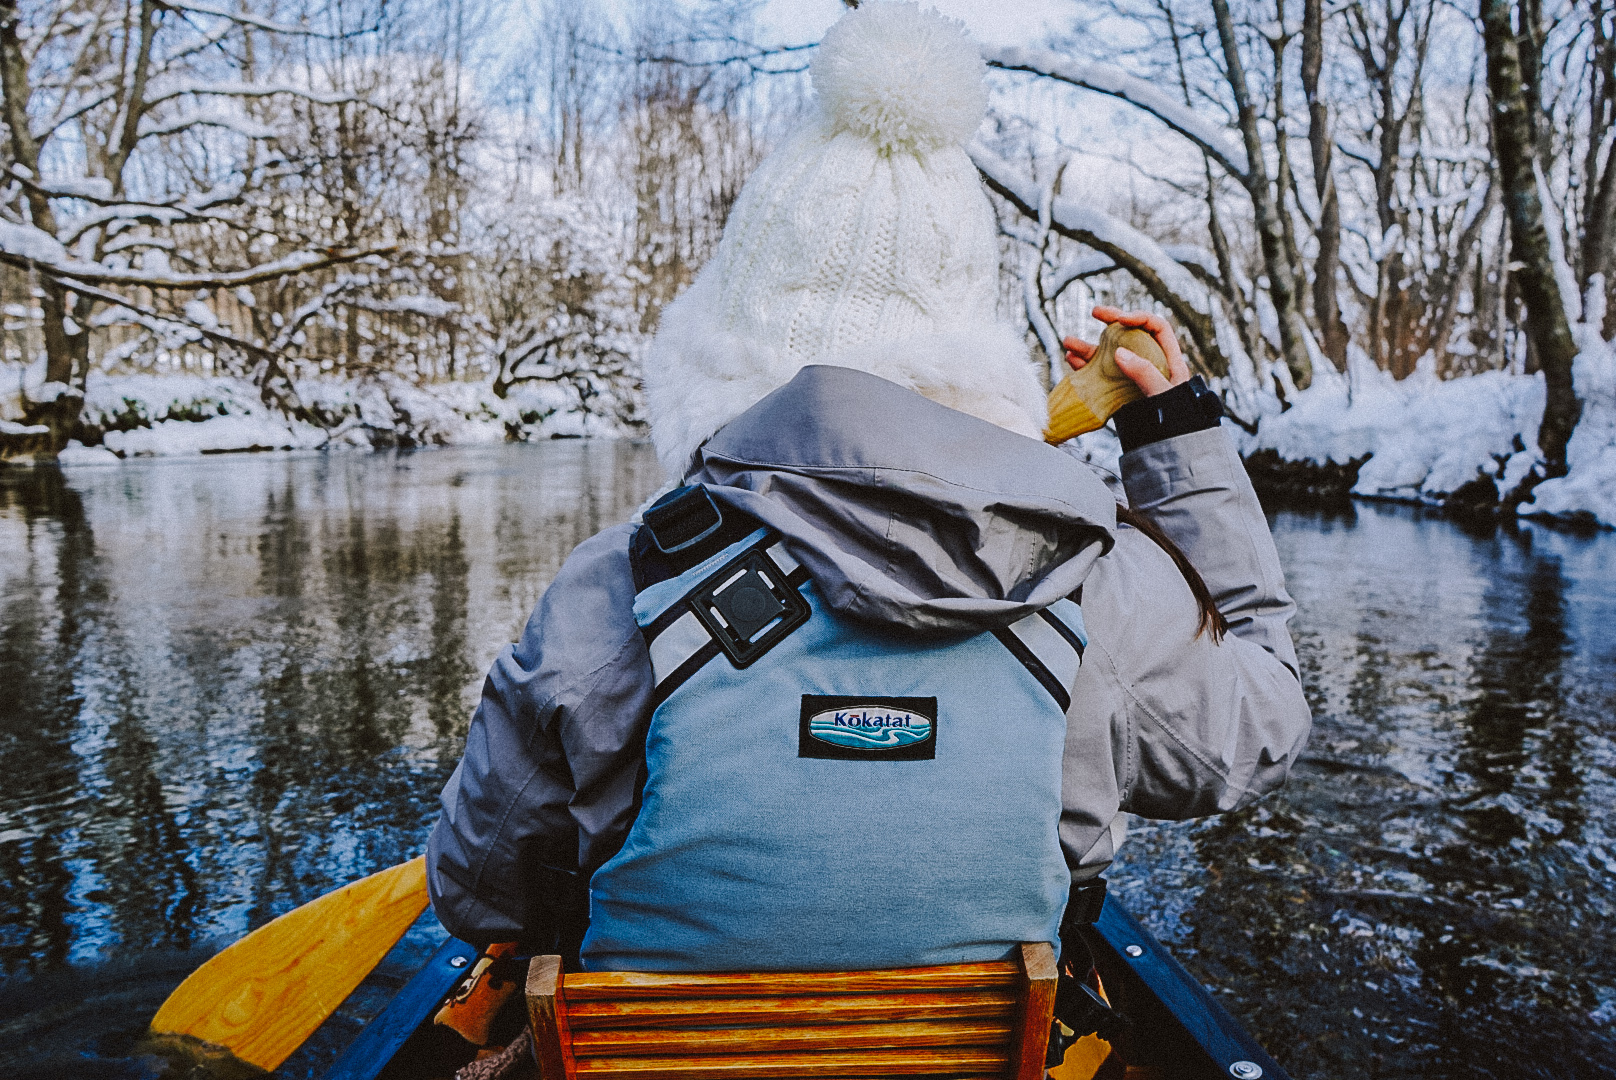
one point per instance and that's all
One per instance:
(227, 685)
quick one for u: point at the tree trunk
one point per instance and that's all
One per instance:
(1326, 304)
(1270, 232)
(1227, 283)
(1598, 240)
(1514, 144)
(66, 343)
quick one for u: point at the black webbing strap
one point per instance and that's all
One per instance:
(1079, 1011)
(742, 609)
(1035, 667)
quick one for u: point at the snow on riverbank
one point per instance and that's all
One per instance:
(1423, 437)
(1417, 440)
(166, 415)
(1590, 486)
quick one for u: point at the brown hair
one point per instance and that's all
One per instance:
(1211, 618)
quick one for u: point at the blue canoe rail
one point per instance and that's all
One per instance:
(380, 1039)
(1191, 1035)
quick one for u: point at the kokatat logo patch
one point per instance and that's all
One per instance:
(868, 728)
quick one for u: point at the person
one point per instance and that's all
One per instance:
(877, 683)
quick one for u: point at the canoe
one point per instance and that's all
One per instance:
(1179, 1030)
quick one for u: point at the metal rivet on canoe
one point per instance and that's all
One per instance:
(1245, 1070)
(461, 961)
(1136, 951)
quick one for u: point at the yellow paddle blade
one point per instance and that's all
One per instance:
(264, 995)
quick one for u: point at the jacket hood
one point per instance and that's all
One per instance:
(905, 511)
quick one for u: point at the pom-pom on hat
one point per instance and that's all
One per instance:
(903, 79)
(865, 241)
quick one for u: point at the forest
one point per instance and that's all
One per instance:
(1385, 228)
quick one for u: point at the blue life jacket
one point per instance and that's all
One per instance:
(825, 794)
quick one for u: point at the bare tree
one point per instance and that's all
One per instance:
(1515, 142)
(93, 90)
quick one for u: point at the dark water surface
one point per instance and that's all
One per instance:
(1434, 893)
(228, 685)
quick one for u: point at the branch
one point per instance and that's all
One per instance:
(97, 191)
(755, 58)
(26, 247)
(1166, 281)
(1111, 80)
(249, 90)
(309, 309)
(156, 322)
(241, 125)
(243, 19)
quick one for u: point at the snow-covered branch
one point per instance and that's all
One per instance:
(1086, 264)
(259, 23)
(206, 117)
(247, 90)
(1111, 80)
(27, 247)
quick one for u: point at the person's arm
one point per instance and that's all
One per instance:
(1198, 726)
(1214, 725)
(549, 777)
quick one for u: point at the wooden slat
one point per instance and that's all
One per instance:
(917, 1062)
(849, 1008)
(599, 985)
(759, 1040)
(547, 1013)
(1038, 1012)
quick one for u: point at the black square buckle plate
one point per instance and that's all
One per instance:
(748, 606)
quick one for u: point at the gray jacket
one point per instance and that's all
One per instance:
(907, 513)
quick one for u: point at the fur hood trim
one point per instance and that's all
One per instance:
(699, 377)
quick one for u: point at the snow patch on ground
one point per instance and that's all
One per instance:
(76, 453)
(221, 434)
(1424, 437)
(128, 401)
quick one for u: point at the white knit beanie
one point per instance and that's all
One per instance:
(865, 241)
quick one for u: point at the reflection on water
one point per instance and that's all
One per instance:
(227, 685)
(1432, 895)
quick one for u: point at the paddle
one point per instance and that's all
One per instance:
(263, 996)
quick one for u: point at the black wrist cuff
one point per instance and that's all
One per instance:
(1187, 407)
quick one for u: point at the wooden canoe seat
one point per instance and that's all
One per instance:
(959, 1020)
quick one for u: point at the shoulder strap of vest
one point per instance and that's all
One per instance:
(1049, 646)
(681, 530)
(741, 610)
(685, 528)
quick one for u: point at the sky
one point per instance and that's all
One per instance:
(993, 22)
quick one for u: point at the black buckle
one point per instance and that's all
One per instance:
(1083, 906)
(681, 519)
(748, 606)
